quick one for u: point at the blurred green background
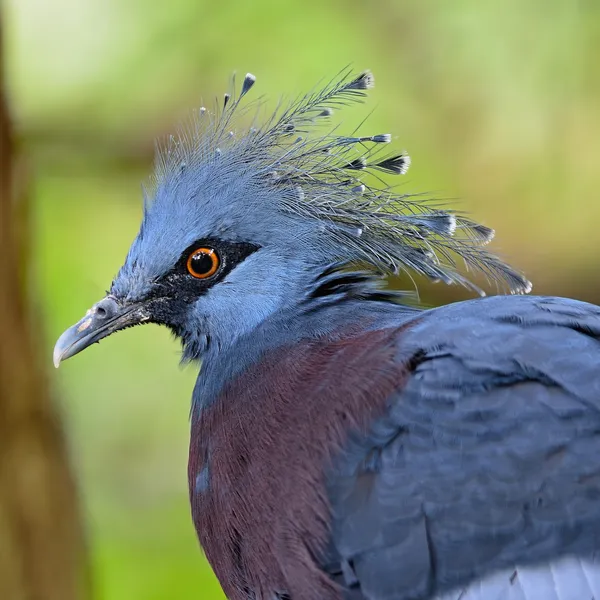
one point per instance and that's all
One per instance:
(496, 102)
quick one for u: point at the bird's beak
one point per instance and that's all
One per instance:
(105, 317)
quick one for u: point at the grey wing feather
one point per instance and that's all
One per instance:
(487, 463)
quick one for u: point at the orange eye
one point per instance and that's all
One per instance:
(203, 263)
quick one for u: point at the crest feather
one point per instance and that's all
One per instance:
(319, 177)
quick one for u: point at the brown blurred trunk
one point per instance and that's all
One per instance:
(41, 547)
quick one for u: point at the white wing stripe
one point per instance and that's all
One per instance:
(566, 579)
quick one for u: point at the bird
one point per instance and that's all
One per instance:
(347, 442)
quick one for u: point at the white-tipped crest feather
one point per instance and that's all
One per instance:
(319, 177)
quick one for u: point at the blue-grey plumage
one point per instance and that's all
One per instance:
(490, 450)
(344, 443)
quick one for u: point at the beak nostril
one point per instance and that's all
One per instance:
(105, 309)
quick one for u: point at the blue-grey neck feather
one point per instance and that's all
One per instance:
(287, 326)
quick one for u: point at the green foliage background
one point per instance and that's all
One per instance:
(497, 103)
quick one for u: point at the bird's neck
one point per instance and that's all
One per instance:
(345, 302)
(294, 293)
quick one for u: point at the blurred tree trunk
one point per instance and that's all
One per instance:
(41, 541)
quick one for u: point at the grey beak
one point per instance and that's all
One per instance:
(105, 317)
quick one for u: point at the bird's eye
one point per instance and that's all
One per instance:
(203, 263)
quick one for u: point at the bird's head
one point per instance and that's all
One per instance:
(240, 220)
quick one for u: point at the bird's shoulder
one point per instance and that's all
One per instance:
(501, 340)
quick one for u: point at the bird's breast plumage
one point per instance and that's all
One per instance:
(260, 451)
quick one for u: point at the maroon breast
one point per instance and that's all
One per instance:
(259, 453)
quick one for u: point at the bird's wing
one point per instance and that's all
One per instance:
(482, 482)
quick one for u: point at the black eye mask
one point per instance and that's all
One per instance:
(180, 284)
